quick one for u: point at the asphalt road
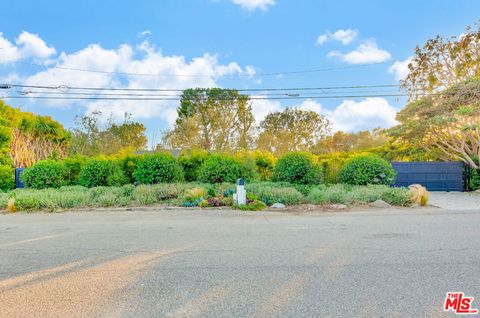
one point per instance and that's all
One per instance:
(231, 264)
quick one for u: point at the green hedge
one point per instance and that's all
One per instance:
(45, 174)
(191, 162)
(158, 168)
(73, 166)
(297, 167)
(101, 172)
(220, 168)
(367, 169)
(7, 178)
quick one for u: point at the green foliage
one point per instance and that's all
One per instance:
(270, 192)
(397, 196)
(345, 142)
(297, 167)
(101, 172)
(29, 138)
(331, 165)
(158, 193)
(442, 62)
(292, 129)
(194, 194)
(447, 124)
(158, 168)
(213, 119)
(475, 180)
(73, 165)
(357, 195)
(265, 162)
(367, 169)
(191, 162)
(255, 205)
(129, 164)
(51, 199)
(7, 178)
(45, 174)
(91, 138)
(248, 167)
(219, 168)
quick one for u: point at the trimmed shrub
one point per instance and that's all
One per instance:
(73, 165)
(101, 172)
(191, 162)
(297, 167)
(219, 169)
(158, 168)
(129, 164)
(7, 178)
(45, 174)
(367, 169)
(271, 193)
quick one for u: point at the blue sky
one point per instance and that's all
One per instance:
(227, 43)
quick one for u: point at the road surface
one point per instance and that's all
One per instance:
(207, 263)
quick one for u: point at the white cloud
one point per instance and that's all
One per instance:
(400, 69)
(350, 116)
(263, 107)
(363, 115)
(144, 33)
(322, 39)
(367, 52)
(254, 4)
(203, 71)
(27, 46)
(310, 104)
(345, 36)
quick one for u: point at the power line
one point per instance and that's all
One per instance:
(226, 99)
(33, 93)
(66, 87)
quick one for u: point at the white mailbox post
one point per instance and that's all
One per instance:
(241, 196)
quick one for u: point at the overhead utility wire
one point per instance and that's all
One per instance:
(33, 93)
(178, 99)
(66, 87)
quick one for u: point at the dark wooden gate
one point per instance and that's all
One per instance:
(435, 176)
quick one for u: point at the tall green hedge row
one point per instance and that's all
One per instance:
(302, 169)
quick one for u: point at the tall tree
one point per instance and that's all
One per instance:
(342, 141)
(212, 119)
(91, 138)
(29, 138)
(442, 62)
(292, 130)
(447, 125)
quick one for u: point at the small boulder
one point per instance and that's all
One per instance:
(380, 204)
(338, 206)
(278, 206)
